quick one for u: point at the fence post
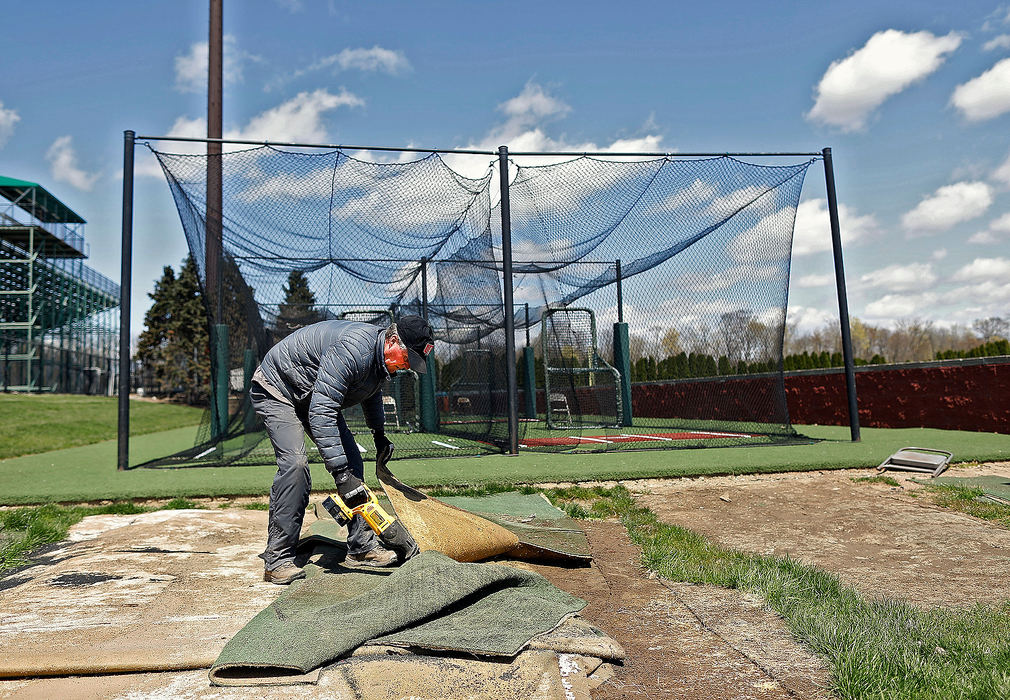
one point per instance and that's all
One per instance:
(843, 304)
(125, 275)
(511, 393)
(220, 381)
(429, 411)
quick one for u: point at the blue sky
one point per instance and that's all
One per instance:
(913, 97)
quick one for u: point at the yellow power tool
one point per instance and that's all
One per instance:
(393, 534)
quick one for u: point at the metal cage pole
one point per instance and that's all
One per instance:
(125, 276)
(511, 395)
(843, 303)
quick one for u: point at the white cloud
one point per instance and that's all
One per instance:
(939, 254)
(375, 59)
(985, 96)
(809, 281)
(63, 165)
(8, 118)
(298, 119)
(758, 242)
(901, 278)
(894, 306)
(983, 269)
(812, 232)
(1002, 173)
(983, 238)
(805, 319)
(191, 67)
(1001, 224)
(888, 63)
(709, 282)
(992, 295)
(997, 42)
(949, 205)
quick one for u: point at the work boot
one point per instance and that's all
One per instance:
(380, 557)
(283, 574)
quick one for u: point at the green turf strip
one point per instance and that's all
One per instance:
(89, 473)
(876, 649)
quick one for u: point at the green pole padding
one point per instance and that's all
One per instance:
(429, 412)
(248, 368)
(220, 382)
(530, 381)
(622, 361)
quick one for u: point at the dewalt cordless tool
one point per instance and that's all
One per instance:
(390, 531)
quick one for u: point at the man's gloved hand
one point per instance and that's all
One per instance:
(352, 491)
(383, 447)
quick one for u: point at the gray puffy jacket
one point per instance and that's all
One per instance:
(327, 367)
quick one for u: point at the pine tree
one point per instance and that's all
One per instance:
(188, 352)
(155, 337)
(298, 308)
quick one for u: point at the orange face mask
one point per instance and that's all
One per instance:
(395, 352)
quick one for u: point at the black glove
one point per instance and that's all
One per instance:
(352, 491)
(383, 447)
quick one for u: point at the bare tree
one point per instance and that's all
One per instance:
(992, 328)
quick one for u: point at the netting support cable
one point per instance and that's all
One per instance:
(476, 152)
(843, 303)
(512, 390)
(125, 276)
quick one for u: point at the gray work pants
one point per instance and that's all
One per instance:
(289, 495)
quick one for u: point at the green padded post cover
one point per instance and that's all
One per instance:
(219, 382)
(530, 381)
(622, 361)
(429, 414)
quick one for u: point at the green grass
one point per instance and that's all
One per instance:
(23, 530)
(966, 500)
(35, 423)
(88, 473)
(876, 649)
(879, 479)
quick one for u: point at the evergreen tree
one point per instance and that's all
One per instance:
(155, 337)
(188, 351)
(298, 308)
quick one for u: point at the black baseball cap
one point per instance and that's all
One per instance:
(417, 336)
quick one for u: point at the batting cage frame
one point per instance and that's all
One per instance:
(483, 260)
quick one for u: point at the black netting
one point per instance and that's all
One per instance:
(692, 254)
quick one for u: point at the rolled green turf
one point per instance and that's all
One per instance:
(89, 473)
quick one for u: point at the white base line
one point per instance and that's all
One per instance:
(705, 432)
(206, 452)
(361, 449)
(646, 437)
(444, 444)
(575, 437)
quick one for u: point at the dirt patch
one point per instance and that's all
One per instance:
(684, 641)
(880, 539)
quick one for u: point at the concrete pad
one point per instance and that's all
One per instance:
(156, 591)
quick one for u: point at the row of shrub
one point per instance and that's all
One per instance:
(687, 366)
(991, 349)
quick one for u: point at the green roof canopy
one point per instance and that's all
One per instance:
(46, 207)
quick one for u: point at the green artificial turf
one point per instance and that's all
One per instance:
(35, 423)
(89, 473)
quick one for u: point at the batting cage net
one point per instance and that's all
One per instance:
(649, 293)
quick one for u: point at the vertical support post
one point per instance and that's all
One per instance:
(530, 382)
(429, 412)
(125, 277)
(622, 361)
(843, 303)
(527, 305)
(512, 391)
(213, 224)
(620, 291)
(220, 381)
(248, 369)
